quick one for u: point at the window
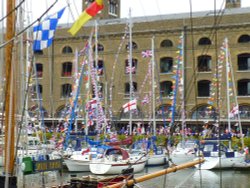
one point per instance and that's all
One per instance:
(100, 67)
(166, 64)
(204, 88)
(166, 88)
(39, 70)
(244, 111)
(204, 112)
(113, 7)
(38, 52)
(99, 91)
(100, 48)
(132, 68)
(205, 41)
(134, 46)
(67, 69)
(244, 62)
(67, 50)
(204, 63)
(244, 87)
(127, 88)
(66, 90)
(36, 91)
(244, 39)
(166, 43)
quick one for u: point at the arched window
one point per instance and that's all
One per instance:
(166, 65)
(244, 39)
(128, 68)
(66, 90)
(204, 88)
(204, 112)
(67, 69)
(100, 67)
(134, 46)
(39, 70)
(62, 111)
(205, 41)
(204, 63)
(166, 88)
(100, 48)
(35, 111)
(244, 61)
(244, 87)
(166, 43)
(67, 50)
(127, 88)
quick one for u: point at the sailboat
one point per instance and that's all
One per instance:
(216, 153)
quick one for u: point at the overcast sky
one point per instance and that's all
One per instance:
(138, 7)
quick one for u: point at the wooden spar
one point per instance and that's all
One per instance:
(156, 174)
(9, 110)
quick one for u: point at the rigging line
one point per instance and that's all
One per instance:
(30, 25)
(13, 10)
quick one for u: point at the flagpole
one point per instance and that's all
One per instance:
(130, 72)
(153, 85)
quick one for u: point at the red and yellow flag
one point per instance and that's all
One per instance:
(86, 15)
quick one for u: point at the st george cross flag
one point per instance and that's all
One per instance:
(146, 53)
(131, 105)
(44, 32)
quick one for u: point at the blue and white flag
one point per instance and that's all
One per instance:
(44, 32)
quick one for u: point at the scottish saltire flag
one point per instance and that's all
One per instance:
(43, 33)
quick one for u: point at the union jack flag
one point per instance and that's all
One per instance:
(128, 69)
(146, 53)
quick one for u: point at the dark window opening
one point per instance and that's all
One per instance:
(244, 87)
(205, 41)
(166, 65)
(166, 43)
(244, 62)
(204, 88)
(67, 69)
(66, 90)
(67, 50)
(204, 63)
(166, 88)
(244, 39)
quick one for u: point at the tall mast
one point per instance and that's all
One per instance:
(153, 85)
(130, 72)
(9, 97)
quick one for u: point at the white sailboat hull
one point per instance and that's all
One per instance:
(78, 163)
(106, 167)
(154, 160)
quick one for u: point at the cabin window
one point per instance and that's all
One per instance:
(244, 39)
(204, 63)
(127, 89)
(204, 112)
(166, 88)
(131, 69)
(113, 7)
(38, 52)
(244, 87)
(166, 43)
(204, 88)
(39, 70)
(204, 41)
(244, 62)
(100, 67)
(67, 50)
(67, 69)
(134, 46)
(100, 48)
(166, 65)
(66, 90)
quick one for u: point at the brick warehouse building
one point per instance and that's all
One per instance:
(204, 34)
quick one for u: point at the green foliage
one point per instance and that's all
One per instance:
(121, 137)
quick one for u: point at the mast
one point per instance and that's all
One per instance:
(9, 97)
(130, 72)
(153, 86)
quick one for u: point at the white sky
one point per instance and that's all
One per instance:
(138, 7)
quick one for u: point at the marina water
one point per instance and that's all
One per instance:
(190, 178)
